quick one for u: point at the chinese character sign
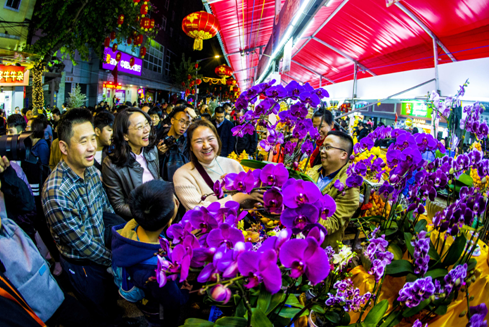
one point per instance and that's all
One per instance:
(109, 61)
(14, 75)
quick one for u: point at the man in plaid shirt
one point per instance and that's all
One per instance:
(75, 203)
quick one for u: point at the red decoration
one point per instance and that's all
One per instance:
(223, 71)
(196, 65)
(136, 2)
(144, 10)
(183, 84)
(138, 40)
(114, 47)
(151, 24)
(129, 40)
(112, 35)
(143, 52)
(235, 89)
(120, 20)
(220, 88)
(107, 42)
(200, 26)
(118, 56)
(131, 61)
(145, 23)
(189, 77)
(193, 91)
(198, 81)
(192, 84)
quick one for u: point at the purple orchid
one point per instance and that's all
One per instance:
(298, 110)
(321, 93)
(298, 218)
(275, 242)
(302, 128)
(347, 296)
(305, 257)
(300, 192)
(221, 293)
(277, 91)
(241, 103)
(274, 175)
(241, 130)
(339, 185)
(418, 323)
(261, 267)
(413, 293)
(287, 118)
(200, 218)
(289, 147)
(265, 145)
(425, 142)
(275, 137)
(224, 235)
(354, 181)
(310, 98)
(316, 231)
(241, 182)
(307, 147)
(294, 89)
(478, 314)
(273, 200)
(326, 206)
(178, 232)
(179, 263)
(420, 255)
(218, 191)
(455, 279)
(228, 263)
(366, 143)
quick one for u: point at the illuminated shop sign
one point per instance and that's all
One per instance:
(111, 85)
(416, 109)
(124, 66)
(14, 75)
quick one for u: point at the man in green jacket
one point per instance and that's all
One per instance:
(335, 155)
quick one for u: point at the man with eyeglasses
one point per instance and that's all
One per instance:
(335, 155)
(171, 146)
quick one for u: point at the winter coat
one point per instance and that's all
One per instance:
(227, 138)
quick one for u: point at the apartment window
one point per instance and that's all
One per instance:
(163, 23)
(13, 4)
(167, 4)
(173, 15)
(167, 63)
(171, 31)
(154, 58)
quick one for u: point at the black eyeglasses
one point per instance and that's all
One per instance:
(329, 147)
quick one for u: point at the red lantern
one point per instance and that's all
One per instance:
(220, 88)
(189, 77)
(139, 40)
(223, 71)
(200, 26)
(118, 56)
(193, 91)
(144, 10)
(107, 42)
(192, 84)
(151, 24)
(131, 61)
(183, 84)
(129, 40)
(143, 52)
(198, 81)
(145, 23)
(136, 2)
(112, 35)
(120, 20)
(114, 47)
(196, 65)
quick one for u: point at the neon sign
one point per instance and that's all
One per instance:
(124, 65)
(14, 75)
(110, 85)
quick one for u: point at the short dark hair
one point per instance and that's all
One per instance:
(325, 115)
(16, 120)
(56, 112)
(152, 204)
(181, 102)
(346, 139)
(155, 111)
(37, 128)
(103, 119)
(190, 133)
(70, 118)
(176, 110)
(206, 115)
(219, 110)
(227, 105)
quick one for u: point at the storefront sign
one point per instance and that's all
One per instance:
(416, 109)
(110, 85)
(14, 75)
(124, 66)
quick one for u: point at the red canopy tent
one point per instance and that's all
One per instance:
(378, 39)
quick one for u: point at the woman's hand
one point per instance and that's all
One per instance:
(248, 201)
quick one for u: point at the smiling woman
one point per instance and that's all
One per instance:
(134, 160)
(195, 180)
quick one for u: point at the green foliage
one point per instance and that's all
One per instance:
(77, 99)
(377, 312)
(399, 268)
(181, 72)
(455, 251)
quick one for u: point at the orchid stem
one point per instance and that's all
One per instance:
(298, 314)
(246, 303)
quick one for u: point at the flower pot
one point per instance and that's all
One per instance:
(311, 323)
(433, 207)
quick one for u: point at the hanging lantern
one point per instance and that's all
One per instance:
(107, 42)
(196, 65)
(114, 47)
(192, 84)
(229, 82)
(120, 20)
(136, 2)
(131, 61)
(143, 52)
(112, 35)
(193, 91)
(129, 40)
(189, 77)
(198, 81)
(118, 56)
(215, 89)
(220, 88)
(235, 89)
(144, 10)
(223, 71)
(151, 24)
(139, 40)
(200, 26)
(183, 84)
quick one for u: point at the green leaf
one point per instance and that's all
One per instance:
(407, 239)
(253, 164)
(436, 273)
(287, 312)
(411, 277)
(396, 251)
(345, 320)
(277, 298)
(333, 316)
(399, 268)
(293, 301)
(240, 309)
(299, 281)
(471, 264)
(466, 180)
(412, 311)
(232, 322)
(259, 318)
(264, 299)
(433, 253)
(441, 310)
(392, 320)
(317, 308)
(420, 225)
(455, 251)
(195, 322)
(438, 154)
(377, 312)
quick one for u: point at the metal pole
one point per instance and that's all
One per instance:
(355, 67)
(390, 96)
(320, 81)
(196, 94)
(435, 51)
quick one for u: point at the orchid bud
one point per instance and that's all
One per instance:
(275, 152)
(202, 291)
(295, 165)
(221, 293)
(451, 171)
(352, 157)
(203, 197)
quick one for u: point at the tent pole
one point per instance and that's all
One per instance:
(354, 93)
(435, 52)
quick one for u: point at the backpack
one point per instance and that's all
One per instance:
(126, 287)
(28, 271)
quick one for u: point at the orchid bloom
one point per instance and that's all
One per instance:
(261, 267)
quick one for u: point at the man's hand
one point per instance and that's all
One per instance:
(4, 164)
(190, 112)
(162, 148)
